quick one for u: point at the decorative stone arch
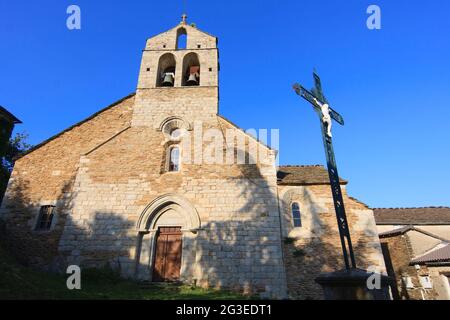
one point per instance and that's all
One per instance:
(173, 122)
(149, 217)
(147, 227)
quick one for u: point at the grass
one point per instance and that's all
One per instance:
(19, 282)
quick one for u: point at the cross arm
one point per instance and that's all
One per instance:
(308, 96)
(305, 94)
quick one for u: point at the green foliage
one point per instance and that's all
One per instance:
(19, 282)
(101, 275)
(17, 145)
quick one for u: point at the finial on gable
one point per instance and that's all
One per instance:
(184, 18)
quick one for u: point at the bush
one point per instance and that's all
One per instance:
(101, 275)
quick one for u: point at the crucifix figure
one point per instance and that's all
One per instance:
(326, 114)
(326, 118)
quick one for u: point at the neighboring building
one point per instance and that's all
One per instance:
(128, 187)
(416, 249)
(7, 123)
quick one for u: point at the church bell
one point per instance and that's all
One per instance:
(194, 73)
(168, 79)
(192, 81)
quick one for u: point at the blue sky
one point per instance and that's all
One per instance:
(391, 85)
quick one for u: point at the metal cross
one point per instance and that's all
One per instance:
(314, 97)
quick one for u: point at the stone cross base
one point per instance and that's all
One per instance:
(352, 285)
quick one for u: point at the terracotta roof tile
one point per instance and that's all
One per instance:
(439, 255)
(412, 216)
(303, 175)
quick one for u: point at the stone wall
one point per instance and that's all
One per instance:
(46, 176)
(103, 173)
(315, 246)
(236, 204)
(198, 42)
(398, 252)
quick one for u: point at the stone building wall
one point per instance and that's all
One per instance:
(236, 205)
(46, 176)
(102, 187)
(440, 277)
(398, 252)
(315, 246)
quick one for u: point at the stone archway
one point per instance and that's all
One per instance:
(165, 211)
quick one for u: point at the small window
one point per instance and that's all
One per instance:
(181, 39)
(199, 46)
(407, 282)
(148, 69)
(296, 217)
(45, 218)
(425, 282)
(174, 159)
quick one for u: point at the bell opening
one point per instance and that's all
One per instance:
(191, 70)
(166, 71)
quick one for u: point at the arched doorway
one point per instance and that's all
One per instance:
(167, 231)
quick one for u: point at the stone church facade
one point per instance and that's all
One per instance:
(129, 188)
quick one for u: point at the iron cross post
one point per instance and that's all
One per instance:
(319, 102)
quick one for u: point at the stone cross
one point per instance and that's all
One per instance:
(326, 114)
(184, 18)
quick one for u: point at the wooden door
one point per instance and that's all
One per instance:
(167, 263)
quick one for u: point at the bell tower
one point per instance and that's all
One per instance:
(178, 76)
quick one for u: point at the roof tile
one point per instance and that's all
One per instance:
(303, 175)
(412, 216)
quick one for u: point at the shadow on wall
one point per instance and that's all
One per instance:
(391, 272)
(18, 217)
(320, 251)
(95, 244)
(242, 252)
(104, 241)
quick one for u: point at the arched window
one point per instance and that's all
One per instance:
(191, 70)
(296, 216)
(174, 159)
(166, 71)
(181, 39)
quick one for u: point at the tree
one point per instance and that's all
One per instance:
(17, 145)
